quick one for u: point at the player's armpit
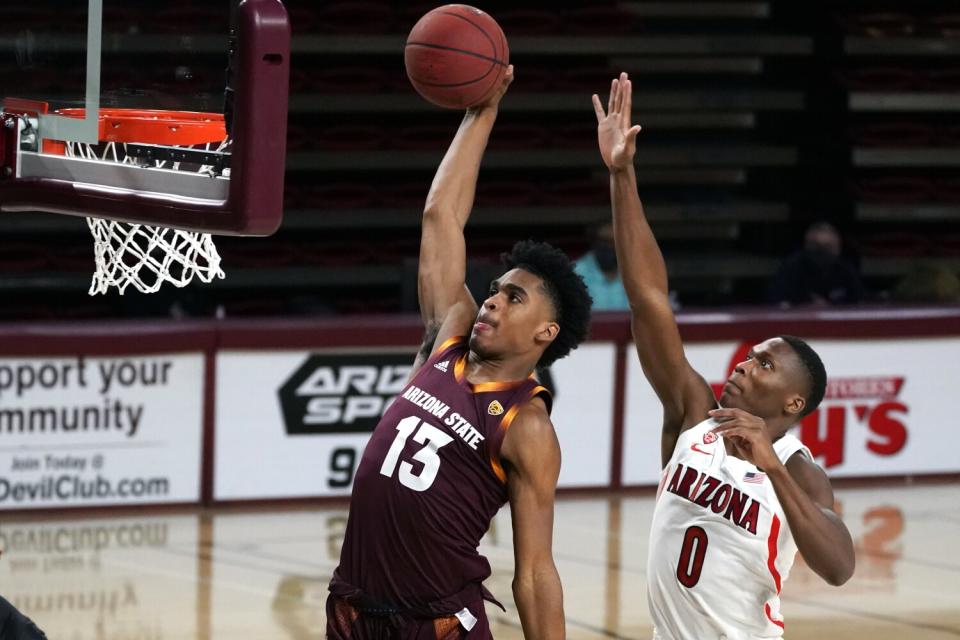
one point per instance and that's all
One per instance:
(694, 399)
(531, 457)
(458, 321)
(430, 333)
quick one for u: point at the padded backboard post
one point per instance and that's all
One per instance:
(259, 127)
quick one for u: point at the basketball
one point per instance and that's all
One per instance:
(456, 56)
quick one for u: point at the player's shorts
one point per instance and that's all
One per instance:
(347, 622)
(354, 615)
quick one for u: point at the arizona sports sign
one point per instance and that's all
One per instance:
(885, 404)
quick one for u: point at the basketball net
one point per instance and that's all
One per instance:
(143, 256)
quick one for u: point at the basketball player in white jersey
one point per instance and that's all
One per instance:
(738, 495)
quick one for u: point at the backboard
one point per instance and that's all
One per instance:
(68, 68)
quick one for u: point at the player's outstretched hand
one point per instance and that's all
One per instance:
(617, 137)
(749, 435)
(494, 99)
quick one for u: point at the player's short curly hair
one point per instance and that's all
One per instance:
(565, 288)
(816, 372)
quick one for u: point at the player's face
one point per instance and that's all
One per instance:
(768, 383)
(517, 318)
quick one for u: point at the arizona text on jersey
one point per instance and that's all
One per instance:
(720, 546)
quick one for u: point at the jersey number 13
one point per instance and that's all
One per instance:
(431, 438)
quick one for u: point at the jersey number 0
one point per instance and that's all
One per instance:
(431, 438)
(691, 556)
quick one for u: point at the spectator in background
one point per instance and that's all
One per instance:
(598, 268)
(930, 283)
(817, 275)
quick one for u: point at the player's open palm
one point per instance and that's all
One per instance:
(616, 136)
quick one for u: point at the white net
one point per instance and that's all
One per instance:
(143, 256)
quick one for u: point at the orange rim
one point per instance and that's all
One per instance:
(151, 126)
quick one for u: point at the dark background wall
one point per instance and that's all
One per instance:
(759, 117)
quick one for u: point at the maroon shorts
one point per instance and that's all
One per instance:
(345, 622)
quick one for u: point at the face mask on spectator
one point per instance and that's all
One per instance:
(606, 256)
(820, 255)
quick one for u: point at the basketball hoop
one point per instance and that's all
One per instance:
(141, 255)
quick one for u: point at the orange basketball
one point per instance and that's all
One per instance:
(456, 56)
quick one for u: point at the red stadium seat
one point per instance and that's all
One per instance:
(950, 136)
(195, 18)
(299, 81)
(263, 253)
(21, 17)
(368, 304)
(507, 193)
(948, 245)
(397, 250)
(248, 307)
(302, 19)
(119, 20)
(334, 254)
(79, 258)
(355, 18)
(942, 79)
(896, 245)
(532, 79)
(23, 311)
(423, 137)
(895, 190)
(945, 25)
(584, 79)
(403, 196)
(948, 189)
(81, 311)
(519, 136)
(347, 79)
(353, 195)
(882, 24)
(24, 257)
(894, 134)
(881, 79)
(298, 137)
(576, 193)
(347, 138)
(599, 20)
(292, 196)
(528, 22)
(580, 135)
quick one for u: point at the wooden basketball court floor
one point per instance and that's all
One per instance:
(250, 574)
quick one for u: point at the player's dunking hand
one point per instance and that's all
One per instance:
(749, 435)
(617, 137)
(494, 100)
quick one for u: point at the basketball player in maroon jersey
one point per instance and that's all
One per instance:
(780, 382)
(470, 431)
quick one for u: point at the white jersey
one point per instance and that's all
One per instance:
(720, 546)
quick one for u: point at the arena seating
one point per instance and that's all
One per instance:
(758, 118)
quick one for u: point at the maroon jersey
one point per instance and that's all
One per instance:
(429, 483)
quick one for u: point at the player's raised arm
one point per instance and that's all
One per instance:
(532, 453)
(446, 306)
(685, 396)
